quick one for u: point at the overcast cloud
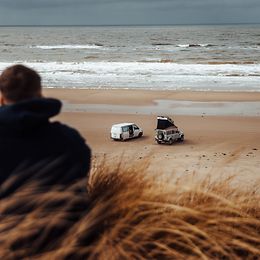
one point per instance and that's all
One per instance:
(116, 12)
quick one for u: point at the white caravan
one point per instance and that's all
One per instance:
(125, 131)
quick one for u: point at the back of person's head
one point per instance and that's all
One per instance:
(18, 83)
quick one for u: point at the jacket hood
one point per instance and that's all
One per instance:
(28, 114)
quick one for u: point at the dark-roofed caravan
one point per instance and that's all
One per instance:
(166, 131)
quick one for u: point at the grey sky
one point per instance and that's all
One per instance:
(107, 12)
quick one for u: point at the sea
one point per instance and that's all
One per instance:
(196, 57)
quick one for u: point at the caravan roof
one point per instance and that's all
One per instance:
(122, 124)
(164, 122)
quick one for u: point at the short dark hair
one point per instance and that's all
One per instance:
(19, 82)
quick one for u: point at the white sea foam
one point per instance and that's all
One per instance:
(151, 75)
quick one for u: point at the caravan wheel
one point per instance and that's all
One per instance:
(160, 136)
(181, 139)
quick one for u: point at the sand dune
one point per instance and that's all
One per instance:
(127, 213)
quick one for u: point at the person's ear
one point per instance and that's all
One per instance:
(1, 100)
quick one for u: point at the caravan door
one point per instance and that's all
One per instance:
(136, 130)
(131, 131)
(125, 132)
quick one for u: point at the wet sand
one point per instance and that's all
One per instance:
(218, 144)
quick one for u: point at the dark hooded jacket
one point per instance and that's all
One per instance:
(28, 137)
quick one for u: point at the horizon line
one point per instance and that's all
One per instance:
(118, 25)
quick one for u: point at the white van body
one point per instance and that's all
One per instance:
(124, 131)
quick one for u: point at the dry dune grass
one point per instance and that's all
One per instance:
(126, 214)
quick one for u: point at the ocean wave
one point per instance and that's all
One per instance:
(153, 65)
(194, 45)
(10, 44)
(164, 74)
(241, 75)
(91, 57)
(67, 46)
(162, 44)
(231, 62)
(158, 60)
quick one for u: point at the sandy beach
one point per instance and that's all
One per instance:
(217, 144)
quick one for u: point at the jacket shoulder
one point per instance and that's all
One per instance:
(73, 139)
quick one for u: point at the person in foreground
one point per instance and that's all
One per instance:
(26, 134)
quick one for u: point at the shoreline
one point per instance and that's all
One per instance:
(172, 107)
(142, 96)
(158, 102)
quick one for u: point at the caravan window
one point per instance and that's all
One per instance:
(125, 128)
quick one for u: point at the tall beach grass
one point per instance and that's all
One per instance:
(126, 214)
